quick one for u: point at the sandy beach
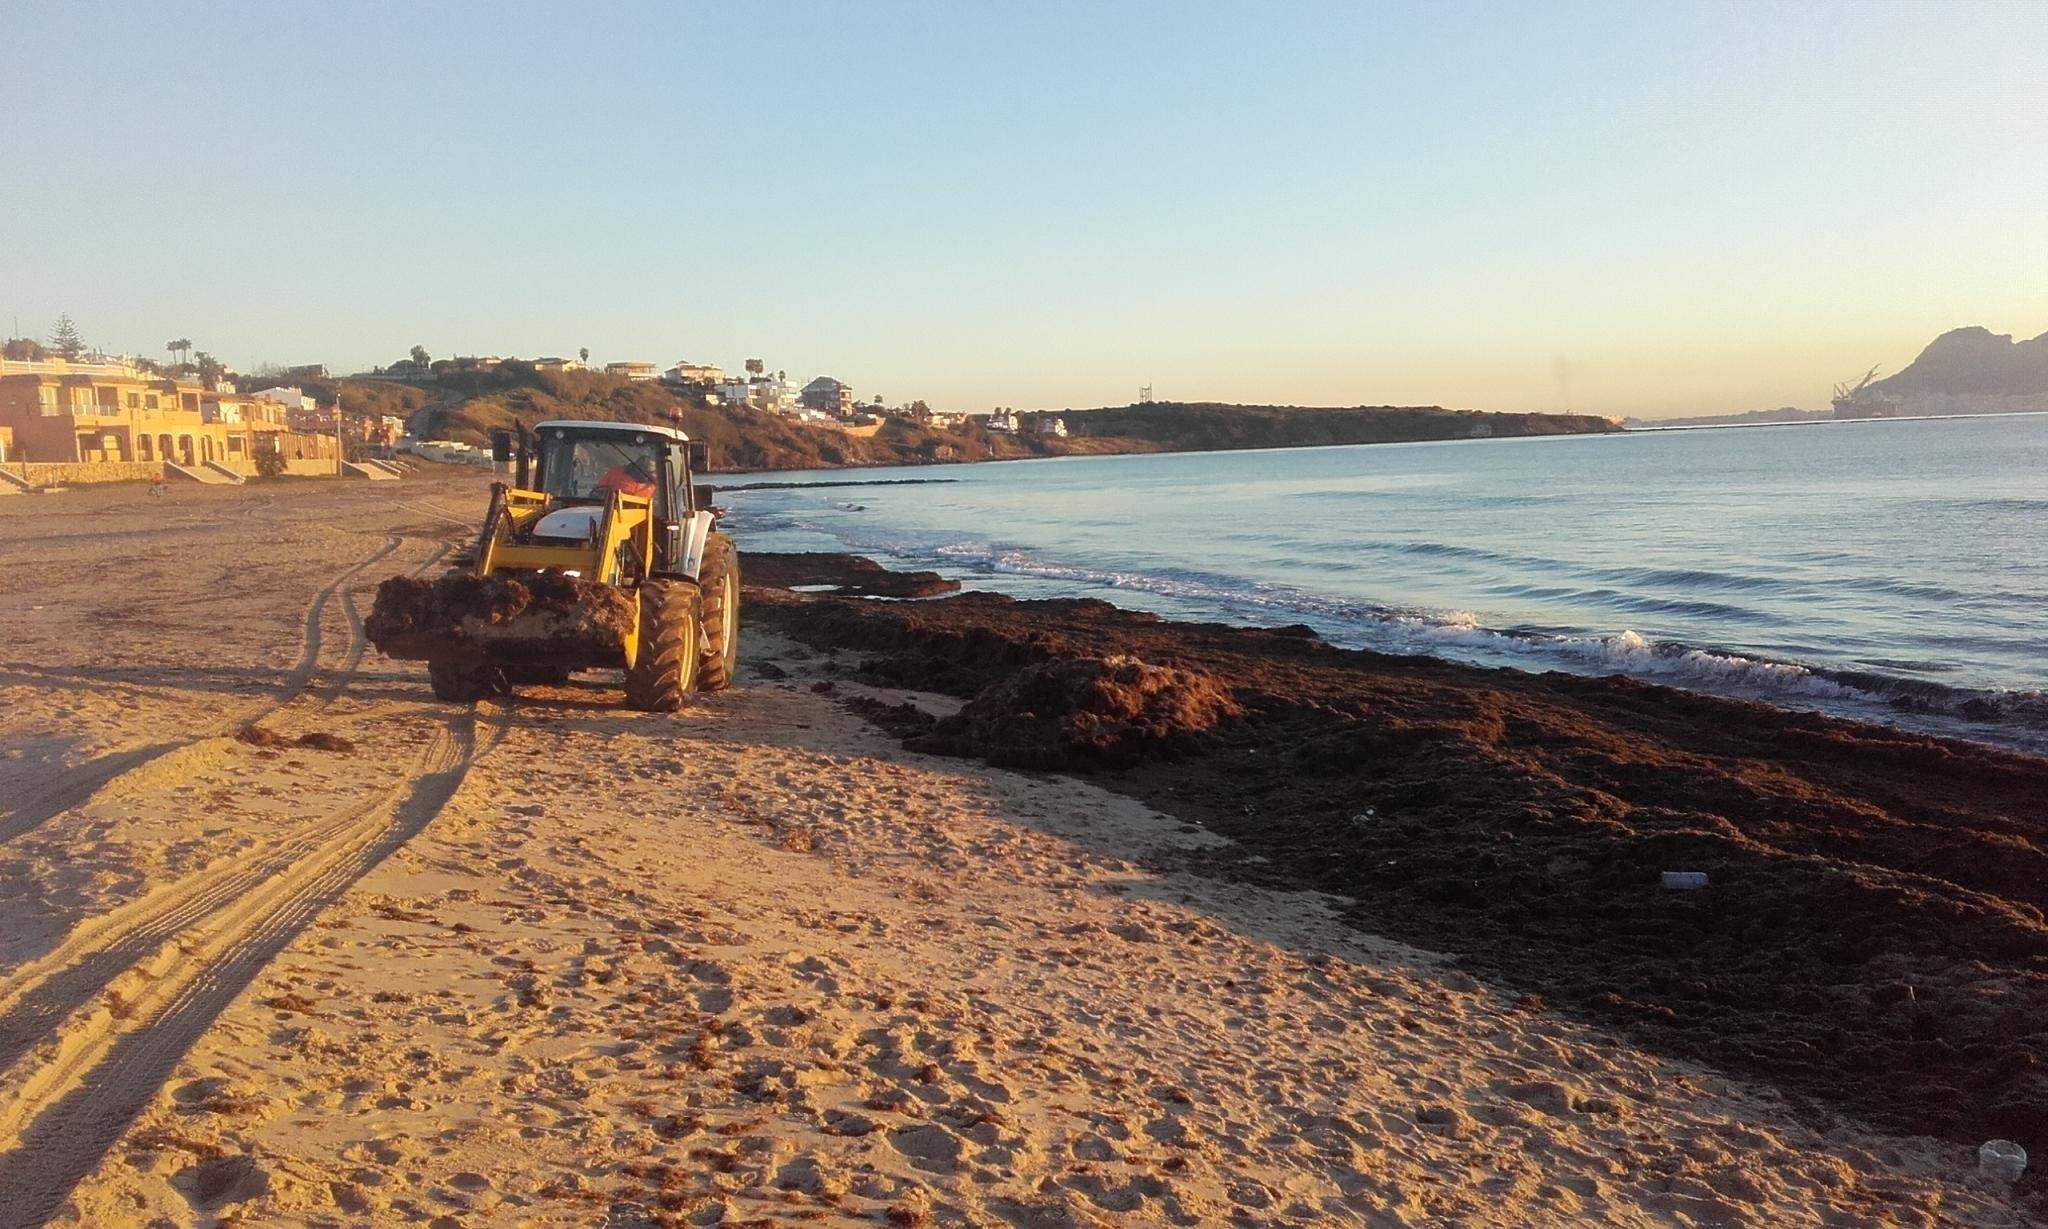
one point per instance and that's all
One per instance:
(288, 942)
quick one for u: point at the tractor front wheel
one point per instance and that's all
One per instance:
(719, 579)
(665, 666)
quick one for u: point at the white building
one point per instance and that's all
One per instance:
(290, 398)
(769, 394)
(1052, 425)
(633, 369)
(1003, 420)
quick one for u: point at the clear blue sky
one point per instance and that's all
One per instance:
(1634, 207)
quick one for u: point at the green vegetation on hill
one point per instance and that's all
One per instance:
(468, 406)
(1202, 426)
(377, 398)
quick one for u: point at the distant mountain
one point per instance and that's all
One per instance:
(1974, 362)
(1963, 371)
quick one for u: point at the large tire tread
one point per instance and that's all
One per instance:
(719, 580)
(665, 668)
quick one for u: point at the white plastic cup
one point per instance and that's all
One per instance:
(1684, 881)
(2002, 1160)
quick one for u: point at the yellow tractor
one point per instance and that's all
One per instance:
(601, 553)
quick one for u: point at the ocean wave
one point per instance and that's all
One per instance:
(2012, 717)
(1461, 634)
(1412, 631)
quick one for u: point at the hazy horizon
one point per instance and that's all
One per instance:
(1651, 210)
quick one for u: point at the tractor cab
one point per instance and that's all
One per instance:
(572, 477)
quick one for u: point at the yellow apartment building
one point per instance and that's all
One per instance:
(63, 412)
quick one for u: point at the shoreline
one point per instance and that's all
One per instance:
(1876, 896)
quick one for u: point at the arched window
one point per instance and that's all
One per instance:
(143, 450)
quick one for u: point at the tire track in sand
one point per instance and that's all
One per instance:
(66, 1114)
(359, 644)
(75, 787)
(38, 997)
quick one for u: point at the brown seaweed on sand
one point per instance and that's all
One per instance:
(412, 615)
(1084, 712)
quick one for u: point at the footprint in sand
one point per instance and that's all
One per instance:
(929, 1146)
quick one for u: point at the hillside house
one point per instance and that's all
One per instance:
(693, 374)
(828, 396)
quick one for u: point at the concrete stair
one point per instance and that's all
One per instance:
(198, 473)
(367, 469)
(224, 471)
(14, 484)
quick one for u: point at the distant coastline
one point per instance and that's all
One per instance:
(1753, 418)
(467, 407)
(1816, 420)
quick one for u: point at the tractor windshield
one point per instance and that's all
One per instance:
(585, 467)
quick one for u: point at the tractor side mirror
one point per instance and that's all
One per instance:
(501, 446)
(700, 457)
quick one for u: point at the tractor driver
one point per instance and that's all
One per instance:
(629, 478)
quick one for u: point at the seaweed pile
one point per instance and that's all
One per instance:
(539, 614)
(1872, 935)
(844, 575)
(1083, 713)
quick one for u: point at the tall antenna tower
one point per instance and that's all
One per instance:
(1145, 395)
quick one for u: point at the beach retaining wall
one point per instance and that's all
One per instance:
(41, 474)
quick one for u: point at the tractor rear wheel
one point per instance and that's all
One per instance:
(665, 667)
(719, 579)
(459, 682)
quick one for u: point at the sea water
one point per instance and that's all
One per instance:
(1894, 570)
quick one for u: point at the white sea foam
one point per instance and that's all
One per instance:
(1453, 633)
(1459, 634)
